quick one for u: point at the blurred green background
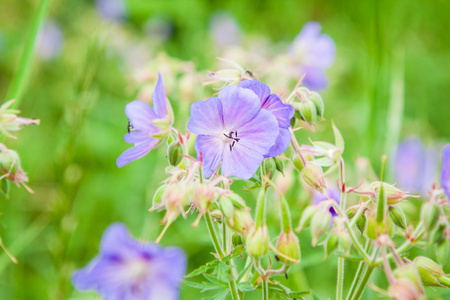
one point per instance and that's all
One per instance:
(387, 52)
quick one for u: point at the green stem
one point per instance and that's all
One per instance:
(25, 61)
(261, 207)
(213, 234)
(362, 285)
(265, 290)
(341, 260)
(357, 276)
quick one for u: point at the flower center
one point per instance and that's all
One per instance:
(231, 138)
(137, 269)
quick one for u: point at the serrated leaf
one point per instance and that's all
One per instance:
(214, 279)
(339, 140)
(219, 296)
(245, 286)
(243, 272)
(351, 257)
(324, 146)
(324, 162)
(203, 286)
(202, 269)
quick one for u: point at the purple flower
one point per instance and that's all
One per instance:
(49, 41)
(445, 171)
(233, 130)
(314, 52)
(150, 125)
(333, 193)
(283, 113)
(128, 269)
(112, 9)
(414, 167)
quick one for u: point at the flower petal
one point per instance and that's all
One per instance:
(159, 98)
(283, 112)
(445, 172)
(212, 148)
(315, 78)
(137, 137)
(140, 115)
(135, 152)
(239, 106)
(256, 138)
(408, 164)
(206, 117)
(260, 89)
(282, 142)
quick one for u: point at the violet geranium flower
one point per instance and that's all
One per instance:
(149, 126)
(314, 52)
(283, 113)
(333, 193)
(128, 269)
(233, 130)
(445, 171)
(414, 166)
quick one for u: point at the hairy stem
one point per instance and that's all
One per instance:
(363, 283)
(341, 260)
(265, 290)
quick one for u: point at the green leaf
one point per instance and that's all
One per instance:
(245, 286)
(219, 296)
(202, 269)
(351, 257)
(339, 140)
(324, 162)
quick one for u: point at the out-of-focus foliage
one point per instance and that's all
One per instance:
(385, 50)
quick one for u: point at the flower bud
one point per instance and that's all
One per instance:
(345, 241)
(204, 196)
(279, 164)
(313, 176)
(319, 223)
(308, 112)
(438, 235)
(236, 200)
(331, 244)
(307, 215)
(392, 194)
(157, 197)
(242, 221)
(405, 289)
(227, 208)
(288, 247)
(361, 223)
(9, 161)
(216, 215)
(269, 167)
(318, 102)
(174, 153)
(174, 196)
(397, 216)
(237, 240)
(429, 215)
(298, 162)
(350, 212)
(443, 251)
(258, 242)
(429, 271)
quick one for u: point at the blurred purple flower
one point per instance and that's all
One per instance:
(445, 171)
(145, 135)
(414, 167)
(333, 193)
(225, 30)
(314, 52)
(233, 129)
(112, 9)
(128, 269)
(159, 28)
(49, 41)
(283, 113)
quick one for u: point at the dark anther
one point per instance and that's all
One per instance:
(285, 275)
(129, 127)
(234, 139)
(276, 257)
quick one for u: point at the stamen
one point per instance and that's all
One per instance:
(233, 140)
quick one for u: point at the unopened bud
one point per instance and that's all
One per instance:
(438, 235)
(237, 240)
(157, 197)
(236, 200)
(279, 164)
(242, 221)
(345, 241)
(393, 195)
(350, 212)
(298, 162)
(429, 271)
(258, 242)
(331, 244)
(9, 161)
(307, 215)
(288, 246)
(443, 252)
(319, 223)
(408, 273)
(430, 215)
(318, 102)
(269, 167)
(405, 289)
(174, 153)
(204, 196)
(216, 215)
(227, 208)
(361, 223)
(313, 176)
(397, 216)
(308, 112)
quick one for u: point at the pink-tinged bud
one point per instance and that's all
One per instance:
(313, 176)
(288, 247)
(10, 122)
(204, 195)
(429, 213)
(430, 272)
(174, 197)
(242, 221)
(10, 168)
(307, 215)
(393, 195)
(405, 289)
(258, 242)
(320, 222)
